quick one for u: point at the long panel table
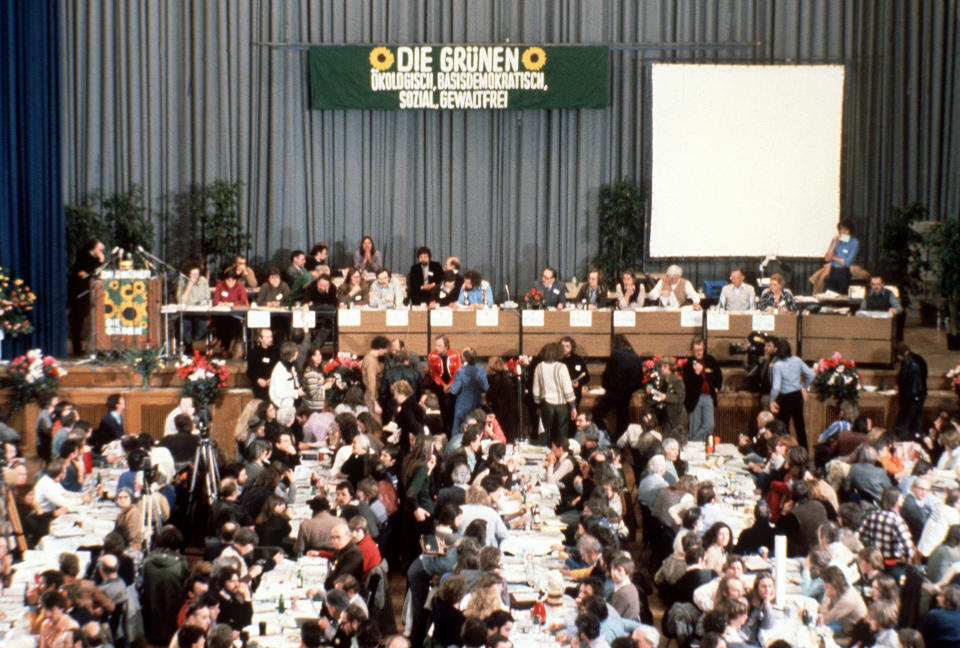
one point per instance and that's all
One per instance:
(865, 340)
(589, 329)
(659, 332)
(357, 328)
(740, 325)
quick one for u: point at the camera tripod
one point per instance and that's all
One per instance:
(205, 459)
(151, 516)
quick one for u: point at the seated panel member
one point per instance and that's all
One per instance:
(229, 292)
(319, 254)
(446, 292)
(275, 292)
(776, 298)
(195, 291)
(674, 291)
(298, 287)
(593, 294)
(321, 292)
(367, 258)
(297, 267)
(554, 293)
(382, 292)
(737, 295)
(630, 292)
(423, 277)
(353, 290)
(879, 298)
(475, 294)
(246, 277)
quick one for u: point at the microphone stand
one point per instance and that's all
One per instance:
(153, 260)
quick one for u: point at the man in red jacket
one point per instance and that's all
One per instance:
(443, 363)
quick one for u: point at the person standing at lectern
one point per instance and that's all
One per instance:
(84, 268)
(841, 253)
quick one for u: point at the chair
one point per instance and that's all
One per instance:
(712, 288)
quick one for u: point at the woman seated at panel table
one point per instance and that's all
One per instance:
(383, 293)
(776, 298)
(353, 290)
(630, 293)
(367, 258)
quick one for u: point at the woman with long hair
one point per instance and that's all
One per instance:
(273, 524)
(762, 614)
(553, 393)
(417, 500)
(367, 257)
(353, 290)
(313, 381)
(716, 543)
(502, 397)
(486, 597)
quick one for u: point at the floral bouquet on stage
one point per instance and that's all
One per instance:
(836, 378)
(16, 302)
(33, 374)
(345, 371)
(533, 300)
(203, 377)
(516, 366)
(954, 376)
(144, 362)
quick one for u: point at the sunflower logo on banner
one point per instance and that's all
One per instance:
(125, 307)
(534, 58)
(381, 59)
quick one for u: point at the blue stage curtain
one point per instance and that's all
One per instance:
(31, 208)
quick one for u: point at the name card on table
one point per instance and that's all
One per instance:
(398, 318)
(581, 318)
(690, 318)
(624, 319)
(718, 322)
(441, 317)
(347, 317)
(488, 317)
(533, 318)
(258, 318)
(763, 322)
(301, 319)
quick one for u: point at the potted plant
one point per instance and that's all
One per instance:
(902, 248)
(945, 243)
(620, 215)
(144, 362)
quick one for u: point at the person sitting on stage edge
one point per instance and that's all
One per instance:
(840, 255)
(673, 291)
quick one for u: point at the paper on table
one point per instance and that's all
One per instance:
(763, 322)
(780, 566)
(718, 322)
(300, 318)
(347, 317)
(533, 318)
(441, 317)
(581, 318)
(488, 317)
(258, 318)
(626, 319)
(398, 318)
(690, 317)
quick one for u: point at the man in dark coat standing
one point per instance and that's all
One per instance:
(912, 387)
(622, 376)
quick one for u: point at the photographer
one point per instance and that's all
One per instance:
(183, 444)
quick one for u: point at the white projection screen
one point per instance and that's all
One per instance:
(746, 159)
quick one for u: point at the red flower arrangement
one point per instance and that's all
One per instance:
(33, 374)
(837, 378)
(345, 371)
(533, 300)
(203, 377)
(515, 365)
(954, 376)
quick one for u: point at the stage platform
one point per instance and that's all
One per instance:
(88, 385)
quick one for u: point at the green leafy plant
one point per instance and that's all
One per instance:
(222, 235)
(901, 249)
(144, 362)
(620, 212)
(84, 222)
(129, 219)
(944, 240)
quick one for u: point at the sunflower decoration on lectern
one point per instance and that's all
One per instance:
(125, 302)
(533, 58)
(381, 59)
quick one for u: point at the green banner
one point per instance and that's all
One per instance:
(457, 77)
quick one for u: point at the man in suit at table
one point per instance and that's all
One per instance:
(423, 277)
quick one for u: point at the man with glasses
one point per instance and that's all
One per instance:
(737, 295)
(347, 557)
(553, 292)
